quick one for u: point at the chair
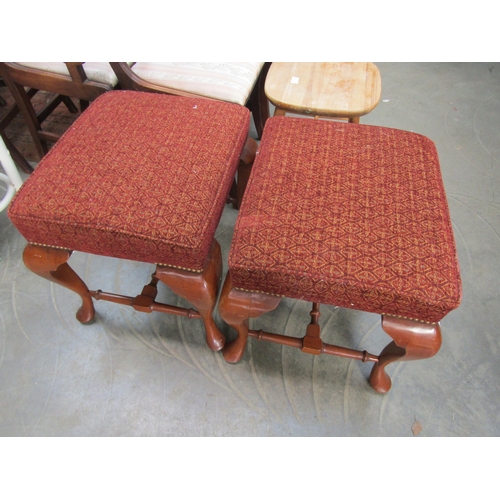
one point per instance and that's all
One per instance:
(146, 178)
(240, 83)
(83, 81)
(334, 90)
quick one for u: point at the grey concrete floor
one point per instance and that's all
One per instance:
(135, 374)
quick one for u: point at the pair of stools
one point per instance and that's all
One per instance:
(344, 214)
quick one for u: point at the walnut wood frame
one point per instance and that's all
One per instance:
(412, 340)
(200, 289)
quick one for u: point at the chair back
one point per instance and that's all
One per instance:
(63, 80)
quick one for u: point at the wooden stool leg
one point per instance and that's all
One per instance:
(201, 290)
(244, 169)
(412, 340)
(236, 307)
(51, 264)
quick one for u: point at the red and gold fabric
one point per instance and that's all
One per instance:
(138, 176)
(350, 215)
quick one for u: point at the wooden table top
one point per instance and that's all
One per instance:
(324, 88)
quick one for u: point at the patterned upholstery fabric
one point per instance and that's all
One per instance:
(350, 215)
(231, 82)
(138, 176)
(100, 72)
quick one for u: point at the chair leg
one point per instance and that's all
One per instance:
(201, 290)
(25, 106)
(412, 340)
(51, 264)
(236, 307)
(258, 103)
(244, 169)
(70, 105)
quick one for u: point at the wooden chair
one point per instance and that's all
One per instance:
(241, 83)
(334, 90)
(84, 81)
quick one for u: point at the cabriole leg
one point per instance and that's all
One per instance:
(412, 340)
(51, 264)
(201, 290)
(235, 308)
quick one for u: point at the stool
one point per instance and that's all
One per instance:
(327, 89)
(138, 176)
(349, 215)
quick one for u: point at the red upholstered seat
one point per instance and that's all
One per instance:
(350, 215)
(138, 176)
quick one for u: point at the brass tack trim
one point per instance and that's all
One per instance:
(411, 319)
(259, 291)
(51, 246)
(161, 265)
(181, 268)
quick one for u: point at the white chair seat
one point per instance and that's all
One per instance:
(100, 72)
(227, 81)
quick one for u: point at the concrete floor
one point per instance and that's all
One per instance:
(135, 374)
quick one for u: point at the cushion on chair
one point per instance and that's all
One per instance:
(227, 81)
(349, 215)
(100, 72)
(138, 176)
